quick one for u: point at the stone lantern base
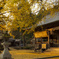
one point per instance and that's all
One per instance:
(5, 54)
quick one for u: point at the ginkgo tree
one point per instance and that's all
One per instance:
(21, 13)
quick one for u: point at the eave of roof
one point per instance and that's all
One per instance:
(49, 19)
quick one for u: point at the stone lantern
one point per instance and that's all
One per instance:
(5, 54)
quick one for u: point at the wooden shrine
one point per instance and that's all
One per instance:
(47, 32)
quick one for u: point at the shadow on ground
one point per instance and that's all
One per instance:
(47, 57)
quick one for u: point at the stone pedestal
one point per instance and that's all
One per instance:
(5, 54)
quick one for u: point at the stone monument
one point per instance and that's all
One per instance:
(5, 54)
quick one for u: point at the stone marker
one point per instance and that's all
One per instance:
(5, 54)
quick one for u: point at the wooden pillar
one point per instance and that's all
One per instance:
(52, 42)
(41, 44)
(56, 39)
(35, 45)
(48, 39)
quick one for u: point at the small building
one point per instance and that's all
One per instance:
(47, 32)
(15, 42)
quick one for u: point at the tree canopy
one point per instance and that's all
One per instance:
(21, 13)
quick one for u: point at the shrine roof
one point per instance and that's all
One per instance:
(49, 19)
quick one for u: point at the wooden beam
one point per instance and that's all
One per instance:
(56, 28)
(40, 34)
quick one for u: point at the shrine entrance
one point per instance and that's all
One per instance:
(47, 33)
(54, 39)
(47, 39)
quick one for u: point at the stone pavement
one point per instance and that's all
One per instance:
(52, 53)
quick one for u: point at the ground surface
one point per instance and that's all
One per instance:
(52, 53)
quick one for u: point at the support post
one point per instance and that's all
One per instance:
(48, 39)
(41, 44)
(35, 45)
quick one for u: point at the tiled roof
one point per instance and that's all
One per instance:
(49, 19)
